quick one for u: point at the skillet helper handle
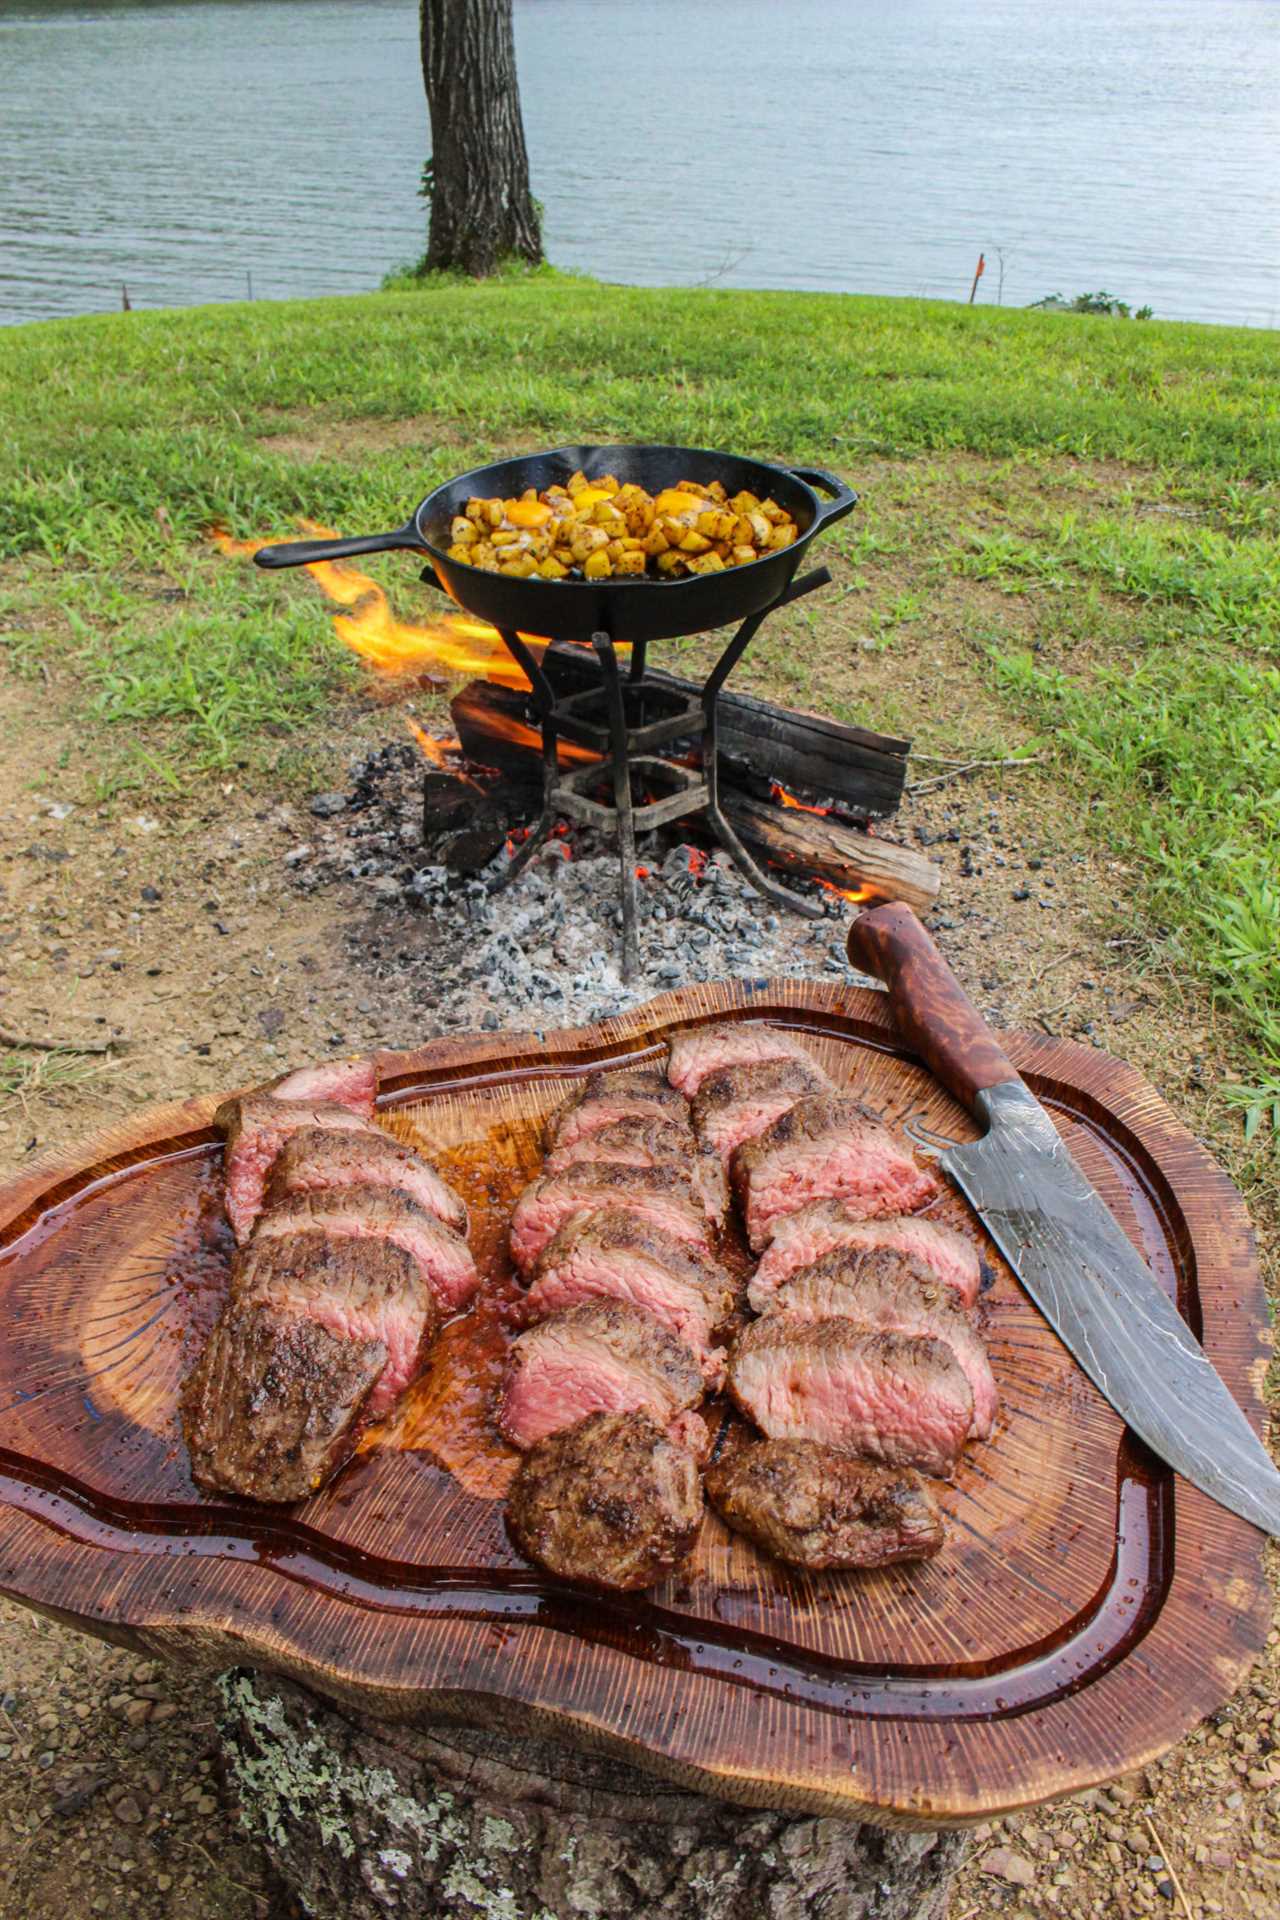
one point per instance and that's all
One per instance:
(305, 553)
(934, 1014)
(844, 498)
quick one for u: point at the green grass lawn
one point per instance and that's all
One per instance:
(1105, 492)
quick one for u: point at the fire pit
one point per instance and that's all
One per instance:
(615, 717)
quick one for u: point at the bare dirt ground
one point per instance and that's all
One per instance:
(170, 936)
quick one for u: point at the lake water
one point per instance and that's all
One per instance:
(190, 150)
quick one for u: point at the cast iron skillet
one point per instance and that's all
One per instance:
(627, 609)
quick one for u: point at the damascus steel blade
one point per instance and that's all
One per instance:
(1106, 1305)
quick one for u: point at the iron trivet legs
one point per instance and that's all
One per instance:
(624, 748)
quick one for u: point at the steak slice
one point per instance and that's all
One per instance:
(705, 1050)
(358, 1290)
(256, 1126)
(816, 1507)
(346, 1083)
(895, 1294)
(827, 1147)
(801, 1238)
(663, 1196)
(607, 1254)
(902, 1398)
(736, 1103)
(612, 1501)
(320, 1159)
(275, 1402)
(636, 1140)
(442, 1257)
(603, 1357)
(603, 1097)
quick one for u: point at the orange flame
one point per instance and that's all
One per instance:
(789, 800)
(569, 754)
(856, 894)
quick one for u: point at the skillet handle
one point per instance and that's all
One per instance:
(844, 500)
(304, 553)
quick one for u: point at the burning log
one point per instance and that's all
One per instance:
(495, 729)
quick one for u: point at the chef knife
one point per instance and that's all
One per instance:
(1060, 1239)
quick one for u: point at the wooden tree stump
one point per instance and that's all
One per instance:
(366, 1819)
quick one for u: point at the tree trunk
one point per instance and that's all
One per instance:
(366, 1821)
(481, 209)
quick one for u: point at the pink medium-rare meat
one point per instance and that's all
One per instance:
(895, 1294)
(663, 1196)
(603, 1357)
(603, 1097)
(636, 1140)
(827, 1147)
(358, 1290)
(442, 1256)
(898, 1397)
(736, 1103)
(256, 1127)
(611, 1255)
(704, 1050)
(275, 1403)
(801, 1238)
(344, 1083)
(318, 1160)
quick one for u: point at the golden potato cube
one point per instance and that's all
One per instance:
(506, 536)
(744, 502)
(483, 554)
(672, 561)
(598, 565)
(656, 541)
(694, 542)
(614, 551)
(742, 555)
(722, 547)
(718, 493)
(675, 529)
(605, 514)
(552, 569)
(772, 511)
(782, 535)
(588, 540)
(706, 563)
(576, 482)
(760, 529)
(607, 483)
(530, 493)
(462, 531)
(520, 568)
(630, 563)
(458, 552)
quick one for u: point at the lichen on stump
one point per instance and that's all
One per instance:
(366, 1819)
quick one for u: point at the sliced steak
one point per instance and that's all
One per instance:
(664, 1196)
(898, 1397)
(896, 1294)
(443, 1257)
(801, 1238)
(346, 1083)
(612, 1501)
(603, 1097)
(275, 1402)
(813, 1506)
(611, 1255)
(705, 1050)
(320, 1159)
(603, 1357)
(636, 1140)
(359, 1290)
(827, 1147)
(256, 1126)
(736, 1103)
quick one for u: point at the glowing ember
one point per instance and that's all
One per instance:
(789, 800)
(856, 894)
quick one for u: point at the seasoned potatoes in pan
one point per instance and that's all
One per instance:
(601, 530)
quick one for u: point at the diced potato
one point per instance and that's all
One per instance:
(475, 511)
(576, 482)
(495, 512)
(588, 540)
(742, 555)
(484, 554)
(552, 569)
(507, 537)
(760, 529)
(461, 553)
(744, 502)
(530, 494)
(672, 561)
(605, 514)
(783, 534)
(630, 563)
(597, 566)
(463, 531)
(717, 492)
(519, 568)
(694, 542)
(772, 511)
(706, 563)
(656, 542)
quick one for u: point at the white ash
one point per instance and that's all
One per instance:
(547, 950)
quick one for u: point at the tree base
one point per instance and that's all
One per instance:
(366, 1819)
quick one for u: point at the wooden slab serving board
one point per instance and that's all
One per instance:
(1086, 1610)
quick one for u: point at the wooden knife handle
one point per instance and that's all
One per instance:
(934, 1015)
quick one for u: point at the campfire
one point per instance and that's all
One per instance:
(556, 745)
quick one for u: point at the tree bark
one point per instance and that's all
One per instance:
(366, 1820)
(482, 211)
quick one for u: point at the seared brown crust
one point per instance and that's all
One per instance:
(609, 1230)
(274, 1403)
(611, 1501)
(816, 1507)
(730, 1085)
(632, 1337)
(647, 1084)
(657, 1137)
(809, 1119)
